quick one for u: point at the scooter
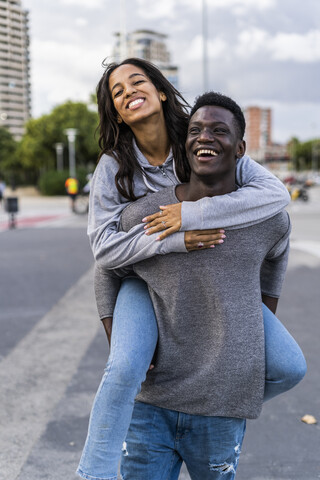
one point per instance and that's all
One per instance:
(298, 192)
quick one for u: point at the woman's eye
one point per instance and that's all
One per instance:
(138, 82)
(117, 93)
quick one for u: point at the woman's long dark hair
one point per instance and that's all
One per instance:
(116, 139)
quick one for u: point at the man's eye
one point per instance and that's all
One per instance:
(221, 130)
(193, 131)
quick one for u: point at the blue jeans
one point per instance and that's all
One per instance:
(159, 440)
(134, 338)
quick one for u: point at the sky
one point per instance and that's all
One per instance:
(260, 52)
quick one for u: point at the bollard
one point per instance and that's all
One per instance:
(11, 206)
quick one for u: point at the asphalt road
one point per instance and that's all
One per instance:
(53, 350)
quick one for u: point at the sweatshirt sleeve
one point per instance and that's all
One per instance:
(275, 264)
(107, 284)
(261, 196)
(113, 248)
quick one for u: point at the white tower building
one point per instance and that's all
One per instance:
(150, 46)
(15, 93)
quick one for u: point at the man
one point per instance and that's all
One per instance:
(209, 374)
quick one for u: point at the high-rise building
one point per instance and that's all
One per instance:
(148, 45)
(258, 136)
(258, 130)
(15, 93)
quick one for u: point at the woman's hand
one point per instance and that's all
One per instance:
(167, 219)
(198, 239)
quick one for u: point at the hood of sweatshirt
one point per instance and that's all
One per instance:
(157, 177)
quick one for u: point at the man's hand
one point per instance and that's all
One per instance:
(270, 302)
(107, 323)
(198, 239)
(167, 219)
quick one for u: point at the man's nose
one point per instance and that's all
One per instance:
(206, 135)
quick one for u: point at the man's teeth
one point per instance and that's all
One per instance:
(206, 152)
(135, 102)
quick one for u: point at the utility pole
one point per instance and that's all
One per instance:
(204, 46)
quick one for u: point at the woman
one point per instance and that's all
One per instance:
(143, 125)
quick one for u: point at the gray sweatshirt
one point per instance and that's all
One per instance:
(209, 303)
(262, 195)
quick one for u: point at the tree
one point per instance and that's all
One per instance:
(37, 147)
(303, 154)
(8, 159)
(292, 147)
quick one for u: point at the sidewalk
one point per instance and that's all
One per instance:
(40, 211)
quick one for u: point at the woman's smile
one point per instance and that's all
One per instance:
(133, 105)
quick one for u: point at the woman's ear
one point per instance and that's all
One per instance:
(119, 119)
(163, 97)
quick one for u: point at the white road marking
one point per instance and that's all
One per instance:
(35, 375)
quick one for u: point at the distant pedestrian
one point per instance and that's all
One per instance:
(72, 188)
(86, 188)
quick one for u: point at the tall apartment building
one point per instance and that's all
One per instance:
(258, 136)
(148, 45)
(258, 130)
(15, 96)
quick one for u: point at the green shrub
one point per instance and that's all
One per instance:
(52, 182)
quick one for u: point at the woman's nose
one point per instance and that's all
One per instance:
(129, 90)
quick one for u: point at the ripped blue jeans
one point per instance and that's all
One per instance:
(134, 338)
(159, 440)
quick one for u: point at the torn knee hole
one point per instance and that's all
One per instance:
(223, 468)
(124, 449)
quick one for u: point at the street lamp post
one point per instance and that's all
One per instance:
(71, 134)
(204, 46)
(59, 151)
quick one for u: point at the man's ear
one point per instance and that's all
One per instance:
(241, 148)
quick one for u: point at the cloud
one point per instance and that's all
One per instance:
(216, 48)
(51, 61)
(90, 4)
(172, 8)
(148, 10)
(301, 48)
(242, 5)
(81, 22)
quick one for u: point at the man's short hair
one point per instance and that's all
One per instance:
(219, 100)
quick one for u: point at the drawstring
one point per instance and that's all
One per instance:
(147, 184)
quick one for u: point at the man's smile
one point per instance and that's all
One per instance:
(205, 153)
